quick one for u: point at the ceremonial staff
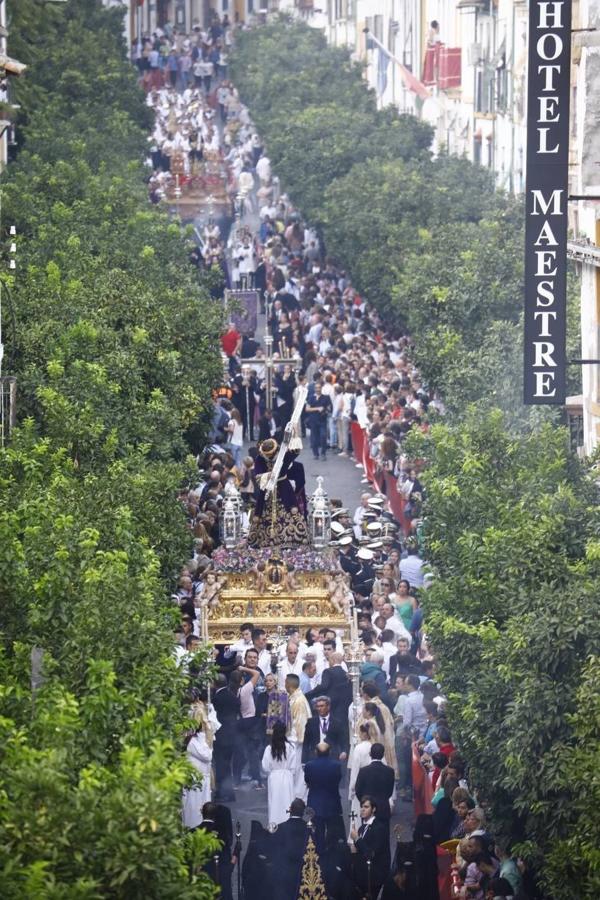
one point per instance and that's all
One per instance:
(287, 439)
(237, 852)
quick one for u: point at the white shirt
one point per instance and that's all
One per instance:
(358, 517)
(388, 651)
(411, 569)
(241, 646)
(323, 727)
(316, 648)
(366, 825)
(264, 661)
(286, 668)
(396, 625)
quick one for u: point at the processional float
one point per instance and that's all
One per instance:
(275, 582)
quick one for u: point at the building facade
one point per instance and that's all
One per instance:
(584, 249)
(458, 64)
(461, 65)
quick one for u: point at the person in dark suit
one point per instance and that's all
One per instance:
(324, 728)
(348, 563)
(336, 685)
(227, 708)
(371, 851)
(216, 819)
(288, 851)
(377, 781)
(258, 877)
(322, 776)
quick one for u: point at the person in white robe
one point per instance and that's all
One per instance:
(199, 755)
(279, 763)
(300, 714)
(360, 756)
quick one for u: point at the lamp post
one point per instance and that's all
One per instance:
(319, 517)
(230, 520)
(354, 660)
(269, 367)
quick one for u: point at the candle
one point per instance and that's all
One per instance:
(354, 628)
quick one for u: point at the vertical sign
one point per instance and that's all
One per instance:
(546, 195)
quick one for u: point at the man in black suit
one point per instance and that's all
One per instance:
(227, 707)
(370, 851)
(216, 819)
(322, 776)
(377, 781)
(336, 685)
(323, 728)
(288, 851)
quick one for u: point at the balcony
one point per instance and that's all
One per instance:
(442, 67)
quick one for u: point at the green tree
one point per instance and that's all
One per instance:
(115, 346)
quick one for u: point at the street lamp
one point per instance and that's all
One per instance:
(320, 517)
(230, 520)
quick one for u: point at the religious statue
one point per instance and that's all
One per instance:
(277, 520)
(340, 594)
(289, 579)
(259, 579)
(211, 591)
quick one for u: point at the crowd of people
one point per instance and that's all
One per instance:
(280, 717)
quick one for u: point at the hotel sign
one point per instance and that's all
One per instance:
(546, 200)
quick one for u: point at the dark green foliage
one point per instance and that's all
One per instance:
(428, 242)
(115, 347)
(510, 520)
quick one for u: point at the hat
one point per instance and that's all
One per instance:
(374, 526)
(345, 540)
(375, 545)
(268, 448)
(370, 515)
(337, 528)
(340, 513)
(376, 501)
(365, 553)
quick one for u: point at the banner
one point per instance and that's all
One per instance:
(546, 196)
(243, 312)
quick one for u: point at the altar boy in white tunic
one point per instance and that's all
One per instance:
(199, 755)
(279, 763)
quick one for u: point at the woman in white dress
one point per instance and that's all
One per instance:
(279, 763)
(359, 757)
(199, 755)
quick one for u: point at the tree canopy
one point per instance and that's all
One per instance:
(114, 343)
(510, 522)
(428, 241)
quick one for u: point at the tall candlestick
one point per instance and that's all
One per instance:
(354, 629)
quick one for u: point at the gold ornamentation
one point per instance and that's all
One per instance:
(286, 607)
(311, 884)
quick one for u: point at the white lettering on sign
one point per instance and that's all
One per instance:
(546, 194)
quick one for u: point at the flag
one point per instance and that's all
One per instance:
(383, 61)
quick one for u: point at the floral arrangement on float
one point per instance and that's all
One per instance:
(302, 559)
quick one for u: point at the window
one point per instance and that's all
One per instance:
(341, 9)
(407, 51)
(484, 94)
(575, 431)
(378, 28)
(501, 89)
